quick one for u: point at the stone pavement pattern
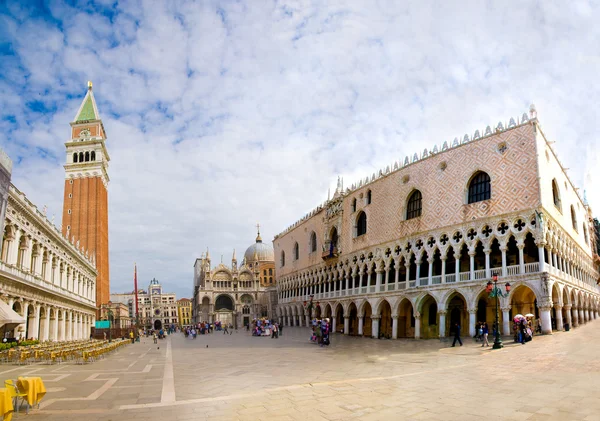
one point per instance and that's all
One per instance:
(239, 377)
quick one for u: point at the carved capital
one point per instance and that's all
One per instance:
(375, 316)
(442, 312)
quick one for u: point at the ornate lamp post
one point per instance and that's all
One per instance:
(309, 306)
(493, 291)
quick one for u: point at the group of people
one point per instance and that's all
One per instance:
(481, 333)
(522, 328)
(320, 332)
(265, 327)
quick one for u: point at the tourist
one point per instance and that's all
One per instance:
(155, 337)
(456, 334)
(485, 332)
(279, 329)
(522, 331)
(104, 335)
(131, 337)
(325, 332)
(226, 329)
(274, 332)
(230, 328)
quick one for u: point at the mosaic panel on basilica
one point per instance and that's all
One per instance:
(409, 252)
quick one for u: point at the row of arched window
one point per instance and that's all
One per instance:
(480, 189)
(84, 157)
(558, 204)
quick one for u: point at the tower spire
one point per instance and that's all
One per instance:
(258, 238)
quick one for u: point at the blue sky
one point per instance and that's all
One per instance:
(223, 114)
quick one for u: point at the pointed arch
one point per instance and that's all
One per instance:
(480, 187)
(296, 251)
(75, 157)
(361, 224)
(414, 205)
(313, 242)
(556, 195)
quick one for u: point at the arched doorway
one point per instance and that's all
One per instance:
(224, 308)
(429, 319)
(385, 325)
(457, 309)
(367, 322)
(406, 320)
(523, 301)
(339, 319)
(353, 320)
(157, 325)
(205, 309)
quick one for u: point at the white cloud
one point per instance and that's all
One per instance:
(223, 114)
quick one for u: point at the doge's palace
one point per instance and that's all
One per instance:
(409, 250)
(44, 277)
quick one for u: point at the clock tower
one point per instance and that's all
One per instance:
(85, 205)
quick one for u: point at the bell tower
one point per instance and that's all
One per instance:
(85, 205)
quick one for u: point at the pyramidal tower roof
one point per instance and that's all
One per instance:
(88, 109)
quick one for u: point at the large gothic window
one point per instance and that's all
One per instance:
(369, 197)
(296, 253)
(75, 157)
(361, 224)
(93, 156)
(354, 205)
(414, 205)
(556, 194)
(480, 188)
(574, 218)
(313, 242)
(282, 258)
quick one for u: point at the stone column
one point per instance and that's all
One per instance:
(520, 246)
(430, 274)
(35, 333)
(567, 308)
(333, 324)
(444, 258)
(575, 316)
(587, 315)
(307, 319)
(488, 271)
(471, 265)
(546, 320)
(559, 318)
(396, 277)
(541, 257)
(456, 267)
(46, 333)
(378, 276)
(375, 326)
(503, 250)
(417, 316)
(287, 320)
(418, 280)
(506, 321)
(395, 326)
(346, 325)
(68, 322)
(581, 316)
(407, 280)
(472, 321)
(63, 333)
(55, 333)
(442, 325)
(360, 324)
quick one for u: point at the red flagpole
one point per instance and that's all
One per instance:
(136, 294)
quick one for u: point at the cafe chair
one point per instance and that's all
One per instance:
(15, 394)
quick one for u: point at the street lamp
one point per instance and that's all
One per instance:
(493, 291)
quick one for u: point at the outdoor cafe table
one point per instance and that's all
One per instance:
(6, 405)
(33, 387)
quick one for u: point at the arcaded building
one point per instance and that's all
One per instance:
(407, 252)
(233, 294)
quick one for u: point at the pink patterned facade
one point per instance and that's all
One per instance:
(407, 252)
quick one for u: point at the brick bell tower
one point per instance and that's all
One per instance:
(85, 210)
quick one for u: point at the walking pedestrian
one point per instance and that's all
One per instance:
(155, 337)
(485, 334)
(457, 335)
(226, 329)
(131, 337)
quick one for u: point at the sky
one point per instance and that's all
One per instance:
(223, 114)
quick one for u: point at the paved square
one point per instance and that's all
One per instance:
(239, 377)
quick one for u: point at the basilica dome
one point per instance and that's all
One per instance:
(260, 252)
